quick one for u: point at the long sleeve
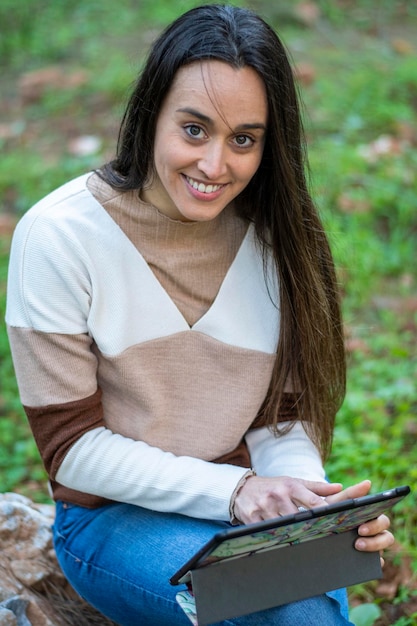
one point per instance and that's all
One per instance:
(292, 454)
(118, 468)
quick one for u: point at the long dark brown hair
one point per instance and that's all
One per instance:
(310, 355)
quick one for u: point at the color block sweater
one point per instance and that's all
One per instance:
(143, 349)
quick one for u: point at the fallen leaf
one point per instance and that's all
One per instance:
(305, 73)
(348, 204)
(307, 12)
(406, 132)
(356, 345)
(33, 85)
(398, 304)
(7, 224)
(402, 46)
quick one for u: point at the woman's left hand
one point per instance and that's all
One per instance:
(374, 535)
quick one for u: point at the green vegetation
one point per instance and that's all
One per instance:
(357, 65)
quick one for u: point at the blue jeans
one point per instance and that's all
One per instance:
(120, 558)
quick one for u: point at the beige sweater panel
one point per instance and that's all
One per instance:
(189, 259)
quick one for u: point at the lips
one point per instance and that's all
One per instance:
(201, 187)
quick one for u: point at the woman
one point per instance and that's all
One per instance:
(175, 327)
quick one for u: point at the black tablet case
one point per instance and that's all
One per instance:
(287, 573)
(255, 582)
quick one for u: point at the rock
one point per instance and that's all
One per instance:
(17, 607)
(33, 590)
(7, 618)
(28, 572)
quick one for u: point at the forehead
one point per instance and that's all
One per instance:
(216, 88)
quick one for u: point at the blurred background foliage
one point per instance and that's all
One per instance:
(66, 71)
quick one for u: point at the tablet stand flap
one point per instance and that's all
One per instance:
(279, 575)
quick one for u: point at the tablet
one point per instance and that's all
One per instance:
(289, 530)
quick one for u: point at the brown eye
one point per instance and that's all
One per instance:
(243, 141)
(194, 131)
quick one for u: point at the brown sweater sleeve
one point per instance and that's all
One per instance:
(56, 427)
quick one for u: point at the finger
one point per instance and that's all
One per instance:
(286, 497)
(382, 541)
(322, 489)
(354, 491)
(250, 517)
(312, 495)
(287, 507)
(255, 517)
(280, 503)
(375, 526)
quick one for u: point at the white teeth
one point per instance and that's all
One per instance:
(201, 187)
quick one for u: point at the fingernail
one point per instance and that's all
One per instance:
(360, 544)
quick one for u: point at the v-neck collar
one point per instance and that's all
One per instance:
(244, 313)
(185, 257)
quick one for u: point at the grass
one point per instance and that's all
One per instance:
(360, 118)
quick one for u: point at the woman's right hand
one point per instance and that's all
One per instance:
(262, 498)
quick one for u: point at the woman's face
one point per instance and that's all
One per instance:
(209, 140)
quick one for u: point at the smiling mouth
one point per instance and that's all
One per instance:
(201, 187)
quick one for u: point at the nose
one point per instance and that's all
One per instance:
(213, 161)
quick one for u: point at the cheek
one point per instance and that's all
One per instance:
(169, 158)
(249, 169)
(162, 164)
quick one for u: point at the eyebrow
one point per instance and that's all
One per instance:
(207, 120)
